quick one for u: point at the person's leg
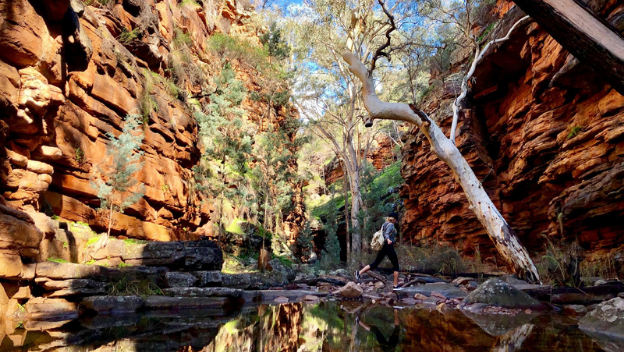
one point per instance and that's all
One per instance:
(395, 264)
(378, 336)
(380, 256)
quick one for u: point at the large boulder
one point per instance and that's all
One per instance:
(112, 304)
(178, 279)
(351, 290)
(607, 319)
(497, 293)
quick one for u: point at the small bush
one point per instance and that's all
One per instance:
(180, 38)
(126, 36)
(575, 131)
(133, 286)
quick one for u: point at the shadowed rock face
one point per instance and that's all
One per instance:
(545, 135)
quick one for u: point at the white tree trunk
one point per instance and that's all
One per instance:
(356, 201)
(497, 228)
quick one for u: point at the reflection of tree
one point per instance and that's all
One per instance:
(513, 339)
(270, 328)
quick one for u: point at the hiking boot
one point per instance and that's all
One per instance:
(356, 274)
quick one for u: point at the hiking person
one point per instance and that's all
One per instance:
(389, 233)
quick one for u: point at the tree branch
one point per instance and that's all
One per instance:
(478, 56)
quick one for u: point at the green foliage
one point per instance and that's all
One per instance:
(126, 36)
(122, 265)
(92, 240)
(232, 48)
(274, 44)
(118, 189)
(192, 3)
(147, 103)
(134, 241)
(80, 156)
(227, 144)
(331, 251)
(129, 285)
(57, 260)
(181, 38)
(560, 265)
(378, 189)
(306, 239)
(284, 260)
(487, 31)
(575, 131)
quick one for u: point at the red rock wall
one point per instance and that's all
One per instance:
(546, 134)
(66, 81)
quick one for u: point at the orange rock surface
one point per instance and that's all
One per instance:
(544, 134)
(56, 110)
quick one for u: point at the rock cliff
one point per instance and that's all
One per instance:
(70, 71)
(543, 132)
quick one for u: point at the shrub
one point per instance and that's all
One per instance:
(126, 36)
(130, 285)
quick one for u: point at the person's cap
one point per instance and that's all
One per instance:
(394, 215)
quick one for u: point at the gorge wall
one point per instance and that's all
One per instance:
(543, 132)
(70, 73)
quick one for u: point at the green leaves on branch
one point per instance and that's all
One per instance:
(118, 188)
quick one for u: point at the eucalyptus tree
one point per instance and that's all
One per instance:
(328, 93)
(496, 226)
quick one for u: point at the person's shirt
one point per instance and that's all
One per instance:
(389, 232)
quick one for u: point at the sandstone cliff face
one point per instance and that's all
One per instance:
(69, 73)
(546, 136)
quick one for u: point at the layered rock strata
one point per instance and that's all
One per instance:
(545, 135)
(69, 74)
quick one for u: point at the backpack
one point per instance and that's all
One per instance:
(378, 239)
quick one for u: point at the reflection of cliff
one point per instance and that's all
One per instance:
(545, 135)
(69, 73)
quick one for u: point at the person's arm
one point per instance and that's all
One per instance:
(389, 228)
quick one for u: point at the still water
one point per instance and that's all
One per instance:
(324, 326)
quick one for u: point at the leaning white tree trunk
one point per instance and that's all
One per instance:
(497, 228)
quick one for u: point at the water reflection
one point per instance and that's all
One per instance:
(325, 326)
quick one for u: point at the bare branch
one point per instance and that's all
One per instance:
(478, 56)
(380, 50)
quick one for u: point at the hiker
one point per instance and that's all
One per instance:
(389, 233)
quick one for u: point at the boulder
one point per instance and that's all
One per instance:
(208, 278)
(449, 291)
(164, 302)
(286, 272)
(351, 290)
(16, 233)
(178, 279)
(497, 293)
(242, 281)
(52, 309)
(281, 299)
(21, 33)
(202, 255)
(203, 292)
(112, 304)
(72, 287)
(574, 309)
(606, 320)
(154, 253)
(65, 271)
